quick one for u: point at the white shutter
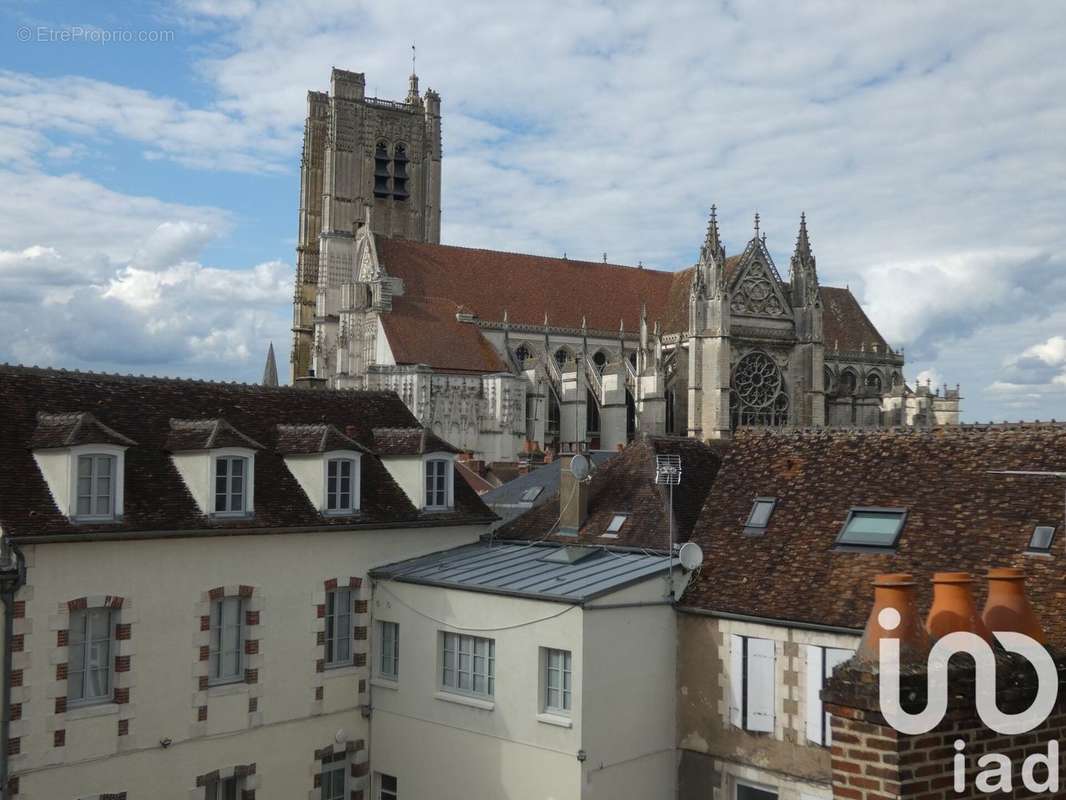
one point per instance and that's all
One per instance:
(815, 716)
(736, 680)
(833, 658)
(761, 685)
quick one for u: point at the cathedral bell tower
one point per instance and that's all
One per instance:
(360, 153)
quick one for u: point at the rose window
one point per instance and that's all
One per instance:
(758, 393)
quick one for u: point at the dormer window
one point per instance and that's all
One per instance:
(438, 484)
(231, 473)
(340, 485)
(96, 487)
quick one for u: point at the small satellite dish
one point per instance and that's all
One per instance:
(690, 555)
(579, 467)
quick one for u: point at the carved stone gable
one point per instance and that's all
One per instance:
(757, 292)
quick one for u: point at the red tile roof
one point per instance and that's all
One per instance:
(440, 281)
(960, 518)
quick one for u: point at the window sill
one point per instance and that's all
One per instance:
(224, 689)
(341, 670)
(385, 683)
(463, 700)
(89, 711)
(555, 719)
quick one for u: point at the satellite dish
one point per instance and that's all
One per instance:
(579, 467)
(690, 555)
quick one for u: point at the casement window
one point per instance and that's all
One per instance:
(820, 664)
(557, 680)
(468, 664)
(226, 662)
(231, 483)
(751, 683)
(339, 627)
(341, 477)
(438, 483)
(389, 650)
(224, 788)
(334, 777)
(96, 487)
(89, 660)
(387, 787)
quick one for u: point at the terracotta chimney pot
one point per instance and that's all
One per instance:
(894, 591)
(954, 608)
(1008, 608)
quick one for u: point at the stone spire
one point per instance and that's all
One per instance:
(413, 98)
(804, 274)
(270, 371)
(712, 243)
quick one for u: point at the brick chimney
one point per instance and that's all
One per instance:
(871, 760)
(573, 498)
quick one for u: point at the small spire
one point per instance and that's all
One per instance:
(412, 82)
(712, 242)
(545, 319)
(604, 256)
(506, 319)
(270, 371)
(756, 224)
(584, 323)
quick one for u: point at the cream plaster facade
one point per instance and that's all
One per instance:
(173, 728)
(445, 745)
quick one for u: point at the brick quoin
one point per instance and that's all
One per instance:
(872, 761)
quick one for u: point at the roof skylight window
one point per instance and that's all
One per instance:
(617, 521)
(531, 494)
(877, 528)
(1042, 539)
(759, 517)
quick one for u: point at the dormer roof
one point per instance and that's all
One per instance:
(73, 429)
(206, 434)
(409, 442)
(310, 439)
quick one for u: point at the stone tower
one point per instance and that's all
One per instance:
(365, 162)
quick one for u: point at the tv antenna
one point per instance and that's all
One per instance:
(668, 473)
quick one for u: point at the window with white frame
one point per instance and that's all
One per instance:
(342, 495)
(387, 787)
(96, 487)
(389, 650)
(89, 661)
(334, 777)
(821, 661)
(751, 683)
(339, 627)
(438, 483)
(224, 788)
(557, 680)
(226, 662)
(468, 664)
(231, 483)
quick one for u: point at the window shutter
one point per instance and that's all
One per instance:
(833, 658)
(761, 685)
(815, 671)
(736, 680)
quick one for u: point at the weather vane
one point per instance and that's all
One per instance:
(413, 54)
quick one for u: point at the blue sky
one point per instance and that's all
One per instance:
(149, 214)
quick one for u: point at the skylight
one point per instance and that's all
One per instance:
(531, 494)
(617, 521)
(570, 554)
(759, 517)
(873, 527)
(1042, 539)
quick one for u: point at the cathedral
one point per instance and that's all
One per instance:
(501, 353)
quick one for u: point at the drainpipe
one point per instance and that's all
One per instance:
(12, 578)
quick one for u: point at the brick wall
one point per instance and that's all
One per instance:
(872, 761)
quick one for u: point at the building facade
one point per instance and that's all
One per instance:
(190, 617)
(501, 351)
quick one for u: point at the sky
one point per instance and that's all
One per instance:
(149, 158)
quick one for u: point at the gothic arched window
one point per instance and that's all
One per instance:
(522, 354)
(600, 360)
(873, 383)
(381, 170)
(848, 382)
(562, 355)
(827, 385)
(897, 379)
(758, 392)
(399, 172)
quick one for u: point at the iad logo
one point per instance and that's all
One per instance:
(996, 774)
